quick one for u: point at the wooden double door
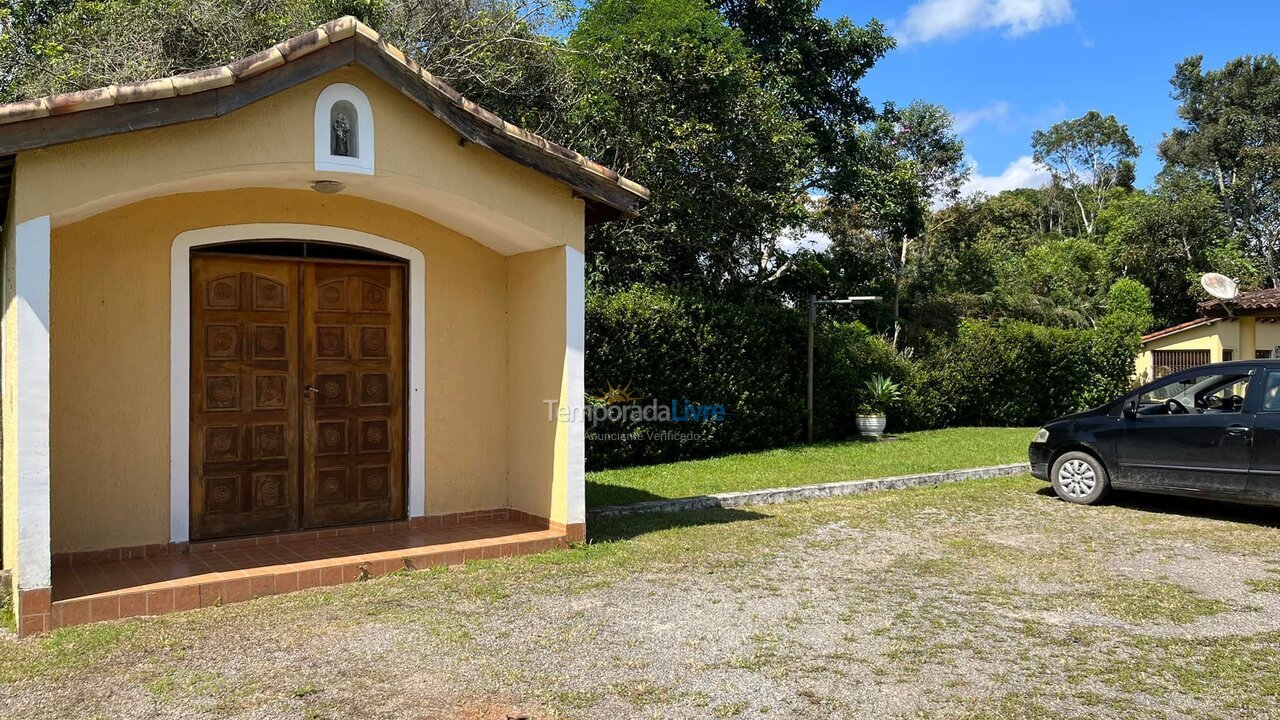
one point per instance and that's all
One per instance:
(297, 394)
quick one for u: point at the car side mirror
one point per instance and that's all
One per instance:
(1131, 408)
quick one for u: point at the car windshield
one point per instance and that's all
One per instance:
(1203, 393)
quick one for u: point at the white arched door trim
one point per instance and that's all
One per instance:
(180, 351)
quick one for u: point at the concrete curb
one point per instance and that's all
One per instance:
(807, 492)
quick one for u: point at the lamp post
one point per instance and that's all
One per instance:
(814, 302)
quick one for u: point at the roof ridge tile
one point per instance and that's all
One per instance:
(340, 29)
(201, 80)
(144, 90)
(78, 100)
(259, 62)
(297, 46)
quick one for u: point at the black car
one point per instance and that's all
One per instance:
(1211, 431)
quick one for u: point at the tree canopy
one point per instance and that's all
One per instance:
(1089, 156)
(773, 175)
(1231, 141)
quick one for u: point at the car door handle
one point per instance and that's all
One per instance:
(1239, 429)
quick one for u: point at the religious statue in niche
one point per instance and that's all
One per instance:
(342, 143)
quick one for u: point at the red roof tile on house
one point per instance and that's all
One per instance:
(1177, 329)
(1266, 299)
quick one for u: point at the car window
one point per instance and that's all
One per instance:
(1202, 393)
(1271, 392)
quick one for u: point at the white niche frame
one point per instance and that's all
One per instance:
(362, 162)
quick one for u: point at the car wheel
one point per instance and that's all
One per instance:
(1080, 478)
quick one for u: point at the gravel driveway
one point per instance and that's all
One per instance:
(986, 599)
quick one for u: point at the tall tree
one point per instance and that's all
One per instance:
(817, 64)
(673, 97)
(1167, 238)
(1231, 138)
(919, 162)
(1089, 156)
(734, 114)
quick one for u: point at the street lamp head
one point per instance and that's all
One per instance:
(848, 301)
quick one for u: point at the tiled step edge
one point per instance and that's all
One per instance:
(807, 492)
(275, 580)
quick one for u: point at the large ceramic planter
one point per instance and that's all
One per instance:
(871, 425)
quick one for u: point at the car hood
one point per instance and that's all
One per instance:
(1065, 419)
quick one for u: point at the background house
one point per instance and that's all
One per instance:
(1245, 328)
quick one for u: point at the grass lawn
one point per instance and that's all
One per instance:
(983, 600)
(919, 452)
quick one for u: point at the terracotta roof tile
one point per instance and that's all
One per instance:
(258, 62)
(562, 151)
(395, 54)
(296, 47)
(366, 31)
(145, 90)
(82, 100)
(443, 88)
(1266, 299)
(201, 80)
(600, 170)
(633, 186)
(24, 110)
(331, 32)
(340, 29)
(1176, 329)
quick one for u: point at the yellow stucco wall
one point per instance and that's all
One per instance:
(110, 357)
(1268, 335)
(117, 204)
(1214, 337)
(269, 144)
(536, 357)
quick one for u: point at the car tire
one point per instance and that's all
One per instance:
(1080, 478)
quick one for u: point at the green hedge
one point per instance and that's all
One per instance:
(748, 357)
(1017, 373)
(666, 345)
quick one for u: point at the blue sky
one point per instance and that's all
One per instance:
(1007, 67)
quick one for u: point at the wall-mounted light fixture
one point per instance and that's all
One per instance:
(328, 187)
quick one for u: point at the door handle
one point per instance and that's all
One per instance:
(1239, 429)
(310, 390)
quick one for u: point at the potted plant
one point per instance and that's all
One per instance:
(881, 392)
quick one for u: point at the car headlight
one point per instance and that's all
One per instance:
(1042, 435)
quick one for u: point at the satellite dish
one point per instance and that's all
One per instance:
(1219, 286)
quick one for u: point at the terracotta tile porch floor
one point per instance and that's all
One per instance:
(153, 586)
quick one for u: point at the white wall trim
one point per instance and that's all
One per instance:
(180, 352)
(575, 341)
(31, 401)
(365, 148)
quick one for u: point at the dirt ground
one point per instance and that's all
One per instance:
(988, 599)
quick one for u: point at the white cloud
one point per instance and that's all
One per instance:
(932, 19)
(1021, 173)
(966, 120)
(794, 240)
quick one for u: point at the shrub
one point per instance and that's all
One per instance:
(1129, 307)
(667, 345)
(1017, 373)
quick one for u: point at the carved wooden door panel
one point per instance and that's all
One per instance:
(244, 396)
(353, 378)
